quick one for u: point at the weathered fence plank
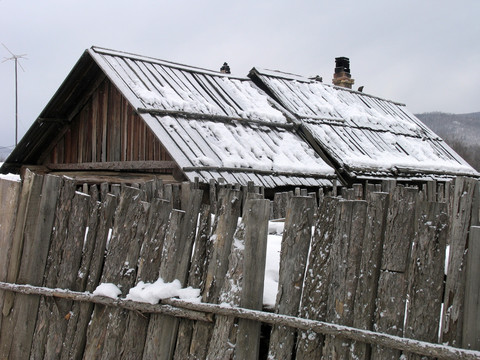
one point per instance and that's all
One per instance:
(346, 255)
(293, 260)
(9, 200)
(36, 240)
(219, 245)
(160, 329)
(84, 314)
(256, 231)
(455, 283)
(105, 332)
(471, 323)
(280, 201)
(68, 267)
(196, 280)
(366, 294)
(224, 335)
(148, 268)
(317, 280)
(176, 255)
(426, 273)
(392, 286)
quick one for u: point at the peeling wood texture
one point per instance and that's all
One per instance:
(367, 257)
(106, 329)
(426, 273)
(9, 198)
(366, 294)
(256, 214)
(458, 240)
(293, 261)
(471, 323)
(392, 287)
(345, 259)
(317, 280)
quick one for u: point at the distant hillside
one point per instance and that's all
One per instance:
(4, 152)
(460, 131)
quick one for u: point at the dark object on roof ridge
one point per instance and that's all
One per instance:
(225, 68)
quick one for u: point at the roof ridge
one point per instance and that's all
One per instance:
(105, 51)
(290, 76)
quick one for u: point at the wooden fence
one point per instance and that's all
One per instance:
(361, 276)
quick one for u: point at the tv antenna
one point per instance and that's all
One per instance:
(15, 58)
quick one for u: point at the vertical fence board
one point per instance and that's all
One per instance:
(196, 279)
(471, 323)
(59, 234)
(256, 232)
(220, 244)
(9, 201)
(426, 273)
(317, 280)
(364, 307)
(74, 326)
(148, 268)
(346, 254)
(68, 268)
(85, 310)
(455, 283)
(224, 333)
(392, 287)
(293, 260)
(105, 330)
(162, 329)
(38, 227)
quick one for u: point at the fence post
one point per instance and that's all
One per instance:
(471, 322)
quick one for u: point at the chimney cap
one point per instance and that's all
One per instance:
(342, 64)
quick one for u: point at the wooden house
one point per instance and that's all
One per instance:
(126, 116)
(121, 117)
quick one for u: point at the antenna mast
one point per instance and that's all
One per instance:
(15, 58)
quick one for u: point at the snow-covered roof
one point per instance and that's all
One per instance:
(213, 124)
(365, 135)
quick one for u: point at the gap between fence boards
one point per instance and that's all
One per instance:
(204, 311)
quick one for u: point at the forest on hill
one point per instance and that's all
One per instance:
(460, 131)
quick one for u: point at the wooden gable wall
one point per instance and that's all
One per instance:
(107, 129)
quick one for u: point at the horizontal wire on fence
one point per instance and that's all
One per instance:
(203, 311)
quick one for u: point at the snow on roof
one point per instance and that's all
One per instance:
(363, 133)
(159, 85)
(215, 124)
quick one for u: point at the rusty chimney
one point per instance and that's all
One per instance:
(225, 68)
(342, 76)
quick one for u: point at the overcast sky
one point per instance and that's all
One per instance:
(423, 53)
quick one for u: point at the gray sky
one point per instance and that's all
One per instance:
(423, 53)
